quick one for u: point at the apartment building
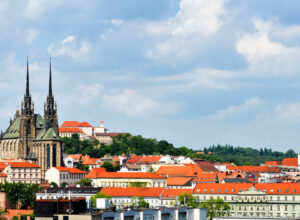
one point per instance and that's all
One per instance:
(25, 172)
(60, 175)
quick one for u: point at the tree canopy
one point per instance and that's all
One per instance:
(128, 144)
(216, 207)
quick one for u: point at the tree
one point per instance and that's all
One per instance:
(99, 195)
(108, 166)
(53, 184)
(139, 202)
(64, 184)
(187, 200)
(85, 182)
(82, 166)
(216, 207)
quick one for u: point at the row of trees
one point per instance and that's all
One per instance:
(20, 195)
(128, 144)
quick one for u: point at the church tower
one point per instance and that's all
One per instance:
(50, 107)
(27, 125)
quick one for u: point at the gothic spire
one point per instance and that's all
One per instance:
(27, 81)
(50, 80)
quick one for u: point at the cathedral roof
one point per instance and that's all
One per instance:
(47, 135)
(13, 130)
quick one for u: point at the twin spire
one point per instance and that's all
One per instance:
(27, 94)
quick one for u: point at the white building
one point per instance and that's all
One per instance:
(60, 175)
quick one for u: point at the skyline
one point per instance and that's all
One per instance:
(192, 72)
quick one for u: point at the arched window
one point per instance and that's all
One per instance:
(48, 156)
(54, 155)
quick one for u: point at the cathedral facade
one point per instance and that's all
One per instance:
(32, 137)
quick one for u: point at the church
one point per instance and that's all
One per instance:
(32, 137)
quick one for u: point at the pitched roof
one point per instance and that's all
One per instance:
(95, 173)
(273, 163)
(19, 165)
(278, 188)
(178, 170)
(208, 168)
(235, 180)
(133, 191)
(179, 181)
(75, 124)
(70, 130)
(206, 177)
(291, 162)
(13, 130)
(87, 160)
(3, 175)
(149, 159)
(221, 188)
(69, 170)
(134, 159)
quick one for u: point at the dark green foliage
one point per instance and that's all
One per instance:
(216, 207)
(128, 144)
(20, 194)
(109, 167)
(139, 202)
(64, 184)
(187, 200)
(53, 184)
(85, 182)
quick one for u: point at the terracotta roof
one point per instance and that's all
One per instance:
(69, 170)
(133, 191)
(16, 212)
(95, 172)
(86, 160)
(291, 162)
(273, 163)
(75, 124)
(208, 168)
(221, 188)
(19, 164)
(134, 159)
(263, 169)
(173, 193)
(177, 170)
(132, 175)
(206, 178)
(70, 130)
(178, 181)
(75, 157)
(3, 175)
(278, 188)
(149, 159)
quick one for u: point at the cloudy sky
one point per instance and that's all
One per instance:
(193, 72)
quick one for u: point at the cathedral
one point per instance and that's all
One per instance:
(30, 136)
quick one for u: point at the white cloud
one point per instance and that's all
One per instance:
(198, 78)
(117, 22)
(288, 111)
(70, 47)
(132, 103)
(89, 93)
(193, 25)
(249, 105)
(266, 56)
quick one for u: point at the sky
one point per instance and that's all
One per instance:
(192, 72)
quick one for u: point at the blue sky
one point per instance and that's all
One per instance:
(193, 72)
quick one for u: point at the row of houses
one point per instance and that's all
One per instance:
(245, 199)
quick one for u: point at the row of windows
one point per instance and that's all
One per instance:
(72, 176)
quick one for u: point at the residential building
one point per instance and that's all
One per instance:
(25, 172)
(255, 200)
(68, 132)
(67, 175)
(85, 127)
(101, 178)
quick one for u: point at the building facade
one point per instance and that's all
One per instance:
(61, 175)
(32, 137)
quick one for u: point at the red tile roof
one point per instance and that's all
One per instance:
(273, 163)
(3, 175)
(75, 124)
(291, 162)
(70, 130)
(149, 159)
(16, 212)
(134, 159)
(133, 191)
(206, 178)
(69, 170)
(221, 188)
(178, 181)
(19, 165)
(178, 170)
(93, 174)
(279, 188)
